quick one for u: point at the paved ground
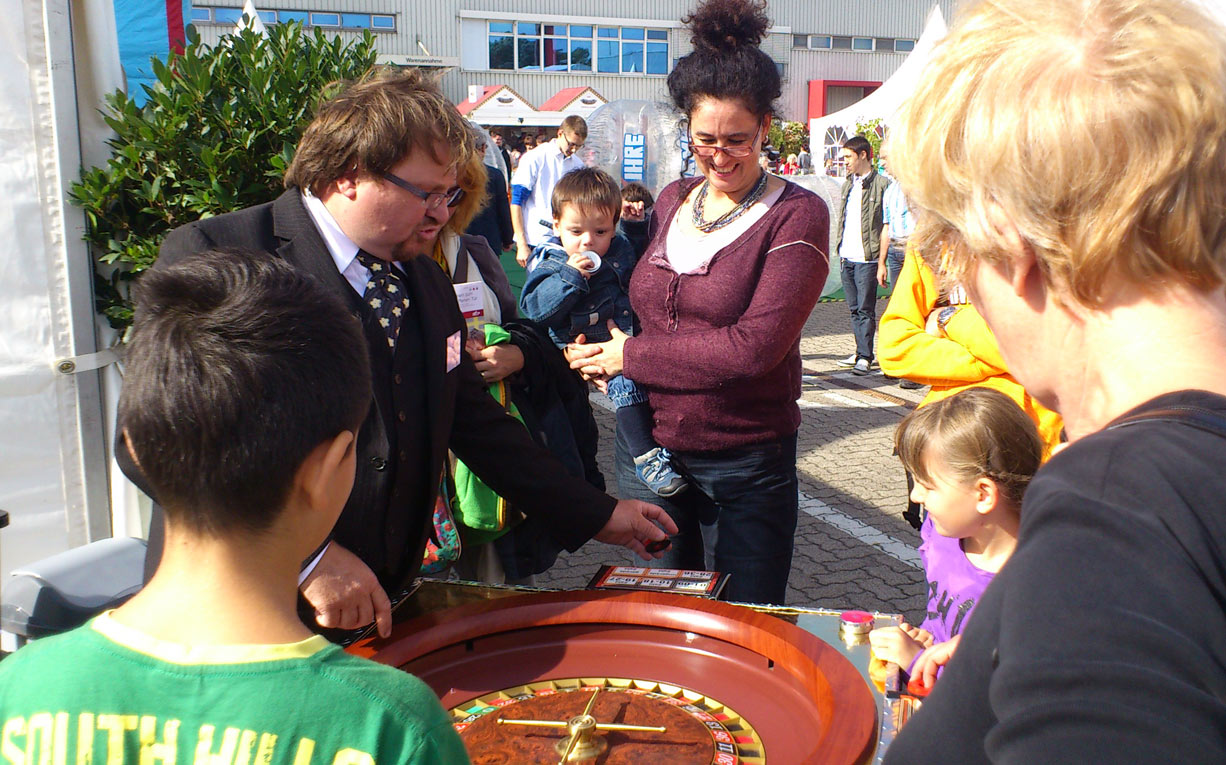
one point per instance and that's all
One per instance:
(853, 550)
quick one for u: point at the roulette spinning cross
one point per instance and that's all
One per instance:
(582, 743)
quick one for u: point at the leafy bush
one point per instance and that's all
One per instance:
(216, 135)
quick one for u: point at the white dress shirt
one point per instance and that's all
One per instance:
(852, 247)
(342, 249)
(538, 172)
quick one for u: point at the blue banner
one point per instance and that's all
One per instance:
(634, 156)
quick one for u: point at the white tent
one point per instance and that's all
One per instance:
(826, 134)
(60, 56)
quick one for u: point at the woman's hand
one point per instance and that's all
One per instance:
(598, 360)
(579, 349)
(497, 362)
(931, 326)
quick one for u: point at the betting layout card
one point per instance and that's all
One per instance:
(705, 584)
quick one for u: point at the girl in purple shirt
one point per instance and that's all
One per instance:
(972, 455)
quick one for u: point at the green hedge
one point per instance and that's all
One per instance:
(216, 134)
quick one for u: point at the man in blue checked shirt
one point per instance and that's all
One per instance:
(898, 225)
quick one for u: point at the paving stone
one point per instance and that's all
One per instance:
(846, 470)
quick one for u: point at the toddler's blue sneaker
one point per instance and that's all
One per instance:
(655, 471)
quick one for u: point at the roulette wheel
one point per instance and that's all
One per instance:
(635, 677)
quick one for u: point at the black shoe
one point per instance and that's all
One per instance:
(909, 384)
(912, 516)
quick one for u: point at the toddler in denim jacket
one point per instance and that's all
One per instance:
(580, 281)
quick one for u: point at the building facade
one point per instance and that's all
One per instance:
(831, 53)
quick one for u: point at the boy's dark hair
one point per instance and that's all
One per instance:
(637, 192)
(974, 433)
(726, 62)
(588, 188)
(860, 145)
(238, 366)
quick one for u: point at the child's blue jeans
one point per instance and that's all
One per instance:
(623, 392)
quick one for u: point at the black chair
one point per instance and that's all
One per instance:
(64, 591)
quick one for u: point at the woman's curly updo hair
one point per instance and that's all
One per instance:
(726, 62)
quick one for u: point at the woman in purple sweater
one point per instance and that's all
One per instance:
(735, 263)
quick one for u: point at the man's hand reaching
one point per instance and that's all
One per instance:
(346, 594)
(636, 524)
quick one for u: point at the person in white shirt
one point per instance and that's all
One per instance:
(533, 181)
(857, 241)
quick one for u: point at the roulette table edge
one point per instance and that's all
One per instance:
(844, 704)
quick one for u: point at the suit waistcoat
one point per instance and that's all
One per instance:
(382, 537)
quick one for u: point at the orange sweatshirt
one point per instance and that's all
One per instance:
(966, 356)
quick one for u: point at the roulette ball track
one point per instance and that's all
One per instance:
(728, 684)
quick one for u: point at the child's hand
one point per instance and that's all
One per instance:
(923, 637)
(633, 210)
(932, 659)
(581, 262)
(894, 644)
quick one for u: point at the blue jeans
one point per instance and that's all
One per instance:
(749, 494)
(893, 263)
(860, 287)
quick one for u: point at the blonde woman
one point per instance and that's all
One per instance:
(530, 377)
(1070, 155)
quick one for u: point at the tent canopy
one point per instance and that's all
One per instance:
(827, 134)
(62, 57)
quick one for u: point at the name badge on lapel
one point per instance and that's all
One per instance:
(454, 348)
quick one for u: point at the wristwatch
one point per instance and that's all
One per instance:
(945, 315)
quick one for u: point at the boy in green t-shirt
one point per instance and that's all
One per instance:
(245, 383)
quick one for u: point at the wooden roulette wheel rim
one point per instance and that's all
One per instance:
(810, 704)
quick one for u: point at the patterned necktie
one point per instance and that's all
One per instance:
(385, 294)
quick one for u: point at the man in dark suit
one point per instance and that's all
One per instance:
(367, 192)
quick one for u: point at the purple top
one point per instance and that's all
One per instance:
(719, 349)
(954, 583)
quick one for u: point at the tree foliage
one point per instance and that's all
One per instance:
(216, 134)
(788, 137)
(874, 131)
